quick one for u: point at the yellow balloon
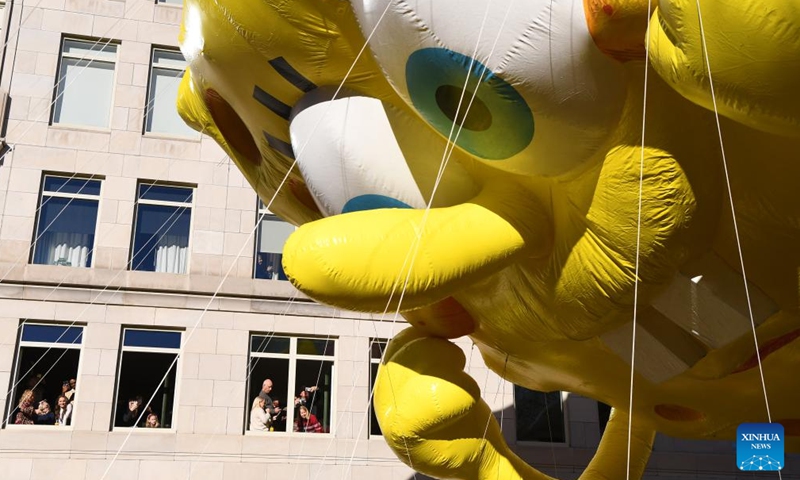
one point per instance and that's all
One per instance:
(563, 173)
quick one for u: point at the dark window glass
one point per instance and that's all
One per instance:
(540, 416)
(52, 334)
(269, 344)
(311, 346)
(139, 380)
(152, 338)
(165, 193)
(161, 239)
(82, 186)
(65, 232)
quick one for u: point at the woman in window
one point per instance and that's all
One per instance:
(307, 422)
(26, 414)
(63, 411)
(259, 420)
(152, 421)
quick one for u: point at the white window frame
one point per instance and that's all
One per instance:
(73, 196)
(565, 414)
(196, 136)
(171, 5)
(373, 361)
(93, 58)
(178, 364)
(10, 401)
(263, 215)
(291, 387)
(163, 203)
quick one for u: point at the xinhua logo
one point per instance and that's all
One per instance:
(759, 446)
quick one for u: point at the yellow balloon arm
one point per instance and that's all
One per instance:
(610, 461)
(358, 260)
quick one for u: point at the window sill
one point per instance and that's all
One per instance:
(80, 128)
(167, 136)
(170, 5)
(145, 431)
(255, 433)
(28, 428)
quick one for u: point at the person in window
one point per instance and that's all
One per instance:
(25, 412)
(131, 416)
(152, 421)
(63, 411)
(36, 384)
(44, 416)
(307, 398)
(266, 388)
(307, 422)
(70, 393)
(259, 420)
(279, 419)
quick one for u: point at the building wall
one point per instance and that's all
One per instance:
(217, 303)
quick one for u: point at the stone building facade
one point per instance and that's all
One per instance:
(136, 260)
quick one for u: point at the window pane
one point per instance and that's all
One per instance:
(95, 49)
(65, 232)
(83, 93)
(83, 186)
(42, 371)
(52, 334)
(161, 239)
(169, 58)
(272, 235)
(320, 374)
(269, 344)
(374, 426)
(152, 338)
(377, 349)
(162, 112)
(140, 378)
(276, 370)
(165, 193)
(540, 416)
(311, 346)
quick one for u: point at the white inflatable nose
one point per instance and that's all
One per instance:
(348, 155)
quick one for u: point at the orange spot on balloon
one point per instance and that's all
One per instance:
(608, 9)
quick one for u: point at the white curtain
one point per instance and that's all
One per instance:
(63, 248)
(171, 254)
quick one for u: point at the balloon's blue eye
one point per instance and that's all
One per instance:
(499, 123)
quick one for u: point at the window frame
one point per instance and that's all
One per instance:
(370, 395)
(72, 196)
(162, 203)
(565, 414)
(149, 106)
(178, 372)
(171, 5)
(92, 58)
(292, 357)
(20, 343)
(263, 214)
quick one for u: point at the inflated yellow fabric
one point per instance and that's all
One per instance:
(539, 270)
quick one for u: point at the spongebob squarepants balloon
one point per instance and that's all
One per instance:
(483, 158)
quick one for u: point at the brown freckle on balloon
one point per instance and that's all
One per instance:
(608, 9)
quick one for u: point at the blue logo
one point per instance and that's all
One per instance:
(759, 446)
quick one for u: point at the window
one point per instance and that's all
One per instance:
(85, 83)
(540, 416)
(47, 364)
(178, 3)
(271, 236)
(161, 116)
(67, 218)
(161, 231)
(377, 347)
(300, 369)
(147, 358)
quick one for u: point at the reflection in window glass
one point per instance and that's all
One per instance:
(141, 370)
(66, 223)
(85, 83)
(45, 371)
(166, 71)
(271, 236)
(539, 416)
(377, 347)
(161, 231)
(301, 376)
